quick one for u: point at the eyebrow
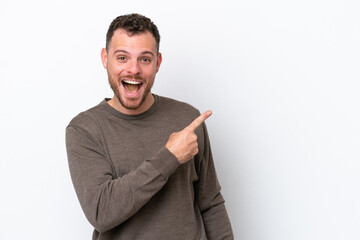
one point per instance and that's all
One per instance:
(124, 51)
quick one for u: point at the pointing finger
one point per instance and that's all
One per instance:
(199, 120)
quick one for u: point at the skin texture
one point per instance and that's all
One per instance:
(135, 58)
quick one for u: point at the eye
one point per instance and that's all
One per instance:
(146, 60)
(121, 58)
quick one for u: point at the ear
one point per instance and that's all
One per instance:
(104, 57)
(159, 60)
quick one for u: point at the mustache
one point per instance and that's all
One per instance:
(131, 77)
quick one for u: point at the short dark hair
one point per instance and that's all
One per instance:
(133, 23)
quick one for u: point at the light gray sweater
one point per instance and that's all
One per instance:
(131, 187)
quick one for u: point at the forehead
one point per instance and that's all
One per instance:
(135, 42)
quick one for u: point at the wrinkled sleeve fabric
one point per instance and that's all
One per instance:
(108, 200)
(208, 195)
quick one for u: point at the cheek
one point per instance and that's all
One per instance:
(151, 76)
(152, 71)
(115, 70)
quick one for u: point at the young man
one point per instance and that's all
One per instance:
(141, 164)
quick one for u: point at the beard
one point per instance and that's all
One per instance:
(130, 104)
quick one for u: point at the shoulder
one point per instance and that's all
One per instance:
(88, 120)
(178, 113)
(178, 107)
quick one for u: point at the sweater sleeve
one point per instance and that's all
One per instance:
(208, 195)
(107, 200)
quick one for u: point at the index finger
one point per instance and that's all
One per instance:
(199, 120)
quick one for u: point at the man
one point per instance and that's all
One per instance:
(141, 164)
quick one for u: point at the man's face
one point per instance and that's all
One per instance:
(132, 62)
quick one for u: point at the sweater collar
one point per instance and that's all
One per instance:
(145, 114)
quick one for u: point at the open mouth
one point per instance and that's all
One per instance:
(131, 86)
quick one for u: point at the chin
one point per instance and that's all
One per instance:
(132, 104)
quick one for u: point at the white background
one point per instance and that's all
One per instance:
(282, 78)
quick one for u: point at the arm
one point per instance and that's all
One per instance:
(107, 200)
(208, 196)
(193, 141)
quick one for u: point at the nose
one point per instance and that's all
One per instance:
(133, 67)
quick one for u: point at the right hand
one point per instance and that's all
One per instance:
(184, 144)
